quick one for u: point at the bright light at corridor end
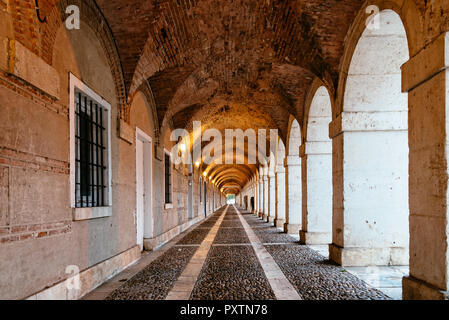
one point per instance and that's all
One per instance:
(230, 199)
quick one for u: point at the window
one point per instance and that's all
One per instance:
(90, 156)
(167, 179)
(90, 152)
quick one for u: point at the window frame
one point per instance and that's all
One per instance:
(87, 213)
(168, 205)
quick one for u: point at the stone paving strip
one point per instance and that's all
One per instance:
(184, 285)
(282, 288)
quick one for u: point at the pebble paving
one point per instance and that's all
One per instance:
(232, 270)
(231, 236)
(232, 273)
(195, 237)
(231, 224)
(155, 281)
(316, 278)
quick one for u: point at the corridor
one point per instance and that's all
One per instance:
(210, 149)
(232, 268)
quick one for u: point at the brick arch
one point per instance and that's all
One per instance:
(146, 91)
(289, 28)
(413, 22)
(292, 123)
(40, 37)
(280, 152)
(317, 84)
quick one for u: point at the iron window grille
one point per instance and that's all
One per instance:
(167, 174)
(91, 154)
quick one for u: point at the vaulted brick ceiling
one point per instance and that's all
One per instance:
(257, 56)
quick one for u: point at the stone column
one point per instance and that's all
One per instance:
(260, 213)
(426, 78)
(370, 206)
(280, 197)
(265, 197)
(294, 195)
(257, 197)
(254, 193)
(271, 198)
(317, 192)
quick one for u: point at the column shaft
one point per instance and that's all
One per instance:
(425, 77)
(271, 198)
(280, 197)
(294, 195)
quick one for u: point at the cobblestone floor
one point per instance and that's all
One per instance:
(232, 270)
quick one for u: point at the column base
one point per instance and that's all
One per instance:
(260, 214)
(315, 238)
(291, 228)
(265, 217)
(415, 289)
(279, 223)
(364, 257)
(270, 219)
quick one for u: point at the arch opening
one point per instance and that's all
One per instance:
(370, 202)
(316, 154)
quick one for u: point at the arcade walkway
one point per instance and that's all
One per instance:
(221, 258)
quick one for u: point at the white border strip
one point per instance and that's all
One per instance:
(282, 288)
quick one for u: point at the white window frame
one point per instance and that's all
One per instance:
(168, 205)
(94, 212)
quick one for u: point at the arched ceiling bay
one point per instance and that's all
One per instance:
(230, 64)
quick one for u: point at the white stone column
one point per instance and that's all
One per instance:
(256, 197)
(271, 198)
(280, 197)
(426, 78)
(260, 213)
(317, 193)
(370, 206)
(265, 197)
(294, 195)
(253, 194)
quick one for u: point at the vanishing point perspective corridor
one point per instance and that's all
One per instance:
(250, 150)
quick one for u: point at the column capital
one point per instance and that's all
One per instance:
(291, 161)
(368, 121)
(426, 64)
(280, 169)
(315, 148)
